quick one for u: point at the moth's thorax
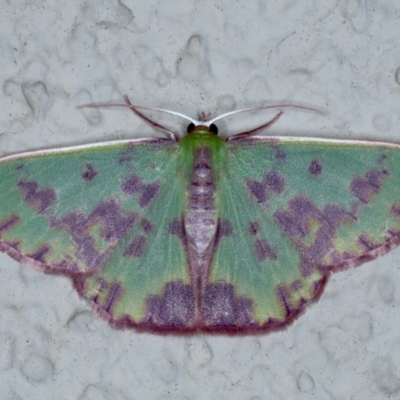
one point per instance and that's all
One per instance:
(201, 215)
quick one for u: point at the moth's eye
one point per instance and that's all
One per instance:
(214, 129)
(190, 127)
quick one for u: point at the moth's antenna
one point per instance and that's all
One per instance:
(148, 120)
(249, 133)
(267, 124)
(285, 105)
(135, 109)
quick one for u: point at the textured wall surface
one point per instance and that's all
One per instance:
(192, 56)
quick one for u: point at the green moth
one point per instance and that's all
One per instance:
(201, 233)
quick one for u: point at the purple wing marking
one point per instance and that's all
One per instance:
(283, 296)
(39, 199)
(106, 308)
(306, 267)
(126, 156)
(40, 253)
(115, 293)
(146, 226)
(134, 186)
(279, 154)
(315, 168)
(89, 173)
(272, 183)
(221, 307)
(296, 285)
(264, 251)
(261, 246)
(365, 187)
(224, 229)
(177, 228)
(9, 223)
(175, 308)
(136, 248)
(254, 228)
(395, 210)
(367, 244)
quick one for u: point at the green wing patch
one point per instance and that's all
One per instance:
(96, 215)
(298, 210)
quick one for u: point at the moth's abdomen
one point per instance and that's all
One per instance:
(200, 216)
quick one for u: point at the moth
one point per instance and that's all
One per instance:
(177, 235)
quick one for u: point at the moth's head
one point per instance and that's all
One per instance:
(202, 129)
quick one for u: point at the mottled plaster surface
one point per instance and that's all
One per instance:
(191, 57)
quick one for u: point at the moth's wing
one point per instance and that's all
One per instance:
(103, 216)
(292, 211)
